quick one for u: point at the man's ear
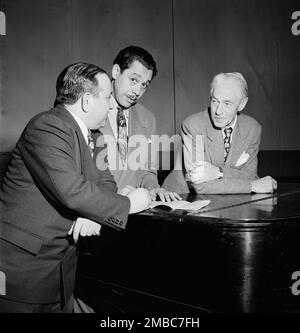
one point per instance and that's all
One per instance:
(116, 70)
(85, 101)
(243, 103)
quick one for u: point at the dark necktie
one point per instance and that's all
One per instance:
(91, 143)
(227, 132)
(122, 134)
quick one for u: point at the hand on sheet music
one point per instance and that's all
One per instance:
(164, 195)
(84, 227)
(264, 185)
(204, 172)
(140, 198)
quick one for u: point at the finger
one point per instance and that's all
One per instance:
(168, 196)
(153, 196)
(162, 197)
(173, 196)
(76, 232)
(83, 230)
(71, 229)
(177, 196)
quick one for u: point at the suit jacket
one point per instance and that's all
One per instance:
(141, 125)
(237, 176)
(51, 180)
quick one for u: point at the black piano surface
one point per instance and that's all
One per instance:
(238, 254)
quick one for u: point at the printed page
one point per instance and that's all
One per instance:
(182, 204)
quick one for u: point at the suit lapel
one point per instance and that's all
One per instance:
(237, 145)
(215, 143)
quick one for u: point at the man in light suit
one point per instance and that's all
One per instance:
(132, 73)
(52, 181)
(220, 145)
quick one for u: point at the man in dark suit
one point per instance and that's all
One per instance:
(52, 181)
(220, 145)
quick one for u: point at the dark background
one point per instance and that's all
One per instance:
(191, 40)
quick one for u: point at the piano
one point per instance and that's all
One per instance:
(239, 254)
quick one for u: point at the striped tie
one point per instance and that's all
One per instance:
(122, 134)
(228, 132)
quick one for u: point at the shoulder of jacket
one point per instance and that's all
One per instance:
(143, 112)
(196, 119)
(248, 121)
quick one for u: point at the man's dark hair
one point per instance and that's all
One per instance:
(131, 53)
(75, 80)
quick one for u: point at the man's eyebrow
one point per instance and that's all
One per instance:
(136, 74)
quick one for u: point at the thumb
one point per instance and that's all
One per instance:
(71, 229)
(76, 231)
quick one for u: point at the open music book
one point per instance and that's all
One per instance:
(180, 204)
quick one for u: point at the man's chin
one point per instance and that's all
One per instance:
(218, 124)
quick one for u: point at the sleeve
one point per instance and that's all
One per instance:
(193, 146)
(223, 186)
(47, 148)
(236, 179)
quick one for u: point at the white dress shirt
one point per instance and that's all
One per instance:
(82, 126)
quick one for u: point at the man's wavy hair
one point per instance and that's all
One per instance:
(75, 80)
(131, 53)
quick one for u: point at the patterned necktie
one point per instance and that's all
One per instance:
(122, 134)
(91, 144)
(228, 132)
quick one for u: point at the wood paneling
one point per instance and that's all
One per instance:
(214, 36)
(36, 48)
(113, 25)
(191, 40)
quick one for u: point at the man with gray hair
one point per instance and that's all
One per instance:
(220, 145)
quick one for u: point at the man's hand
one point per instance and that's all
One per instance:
(164, 195)
(140, 199)
(204, 172)
(84, 227)
(264, 185)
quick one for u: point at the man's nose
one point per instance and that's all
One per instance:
(137, 90)
(218, 109)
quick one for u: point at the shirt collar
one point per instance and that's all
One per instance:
(232, 125)
(115, 108)
(82, 126)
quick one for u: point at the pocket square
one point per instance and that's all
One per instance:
(242, 159)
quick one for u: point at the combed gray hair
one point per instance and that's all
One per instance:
(234, 76)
